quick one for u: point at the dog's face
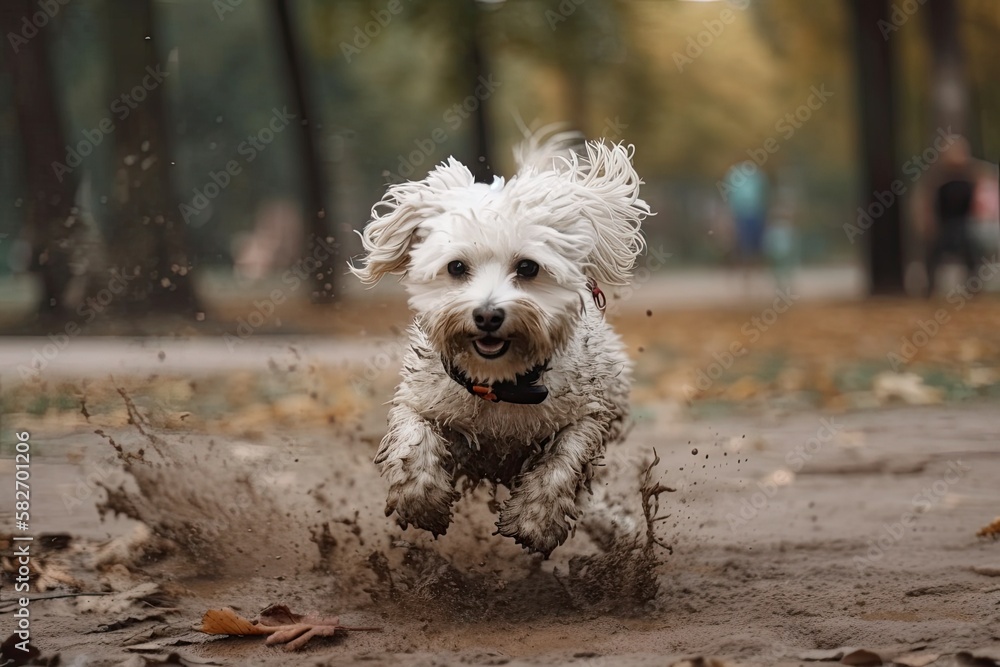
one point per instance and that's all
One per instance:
(497, 273)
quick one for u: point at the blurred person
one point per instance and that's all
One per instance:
(745, 189)
(985, 224)
(944, 206)
(781, 239)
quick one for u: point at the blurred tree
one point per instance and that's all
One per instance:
(476, 71)
(980, 37)
(883, 231)
(316, 187)
(50, 215)
(147, 240)
(574, 43)
(459, 26)
(949, 88)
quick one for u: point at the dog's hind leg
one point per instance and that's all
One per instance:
(414, 458)
(542, 502)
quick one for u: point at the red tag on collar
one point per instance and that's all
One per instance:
(483, 392)
(598, 295)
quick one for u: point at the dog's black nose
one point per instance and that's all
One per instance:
(488, 318)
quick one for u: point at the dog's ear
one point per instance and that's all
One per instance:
(396, 219)
(608, 185)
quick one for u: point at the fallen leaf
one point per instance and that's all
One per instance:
(992, 530)
(906, 387)
(279, 614)
(981, 657)
(824, 655)
(278, 621)
(987, 570)
(861, 658)
(916, 659)
(227, 622)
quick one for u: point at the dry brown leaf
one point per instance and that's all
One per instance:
(295, 637)
(980, 656)
(228, 622)
(820, 655)
(916, 659)
(701, 662)
(284, 626)
(861, 658)
(992, 530)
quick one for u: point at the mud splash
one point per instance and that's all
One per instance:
(232, 516)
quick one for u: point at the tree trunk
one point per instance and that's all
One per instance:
(148, 249)
(949, 89)
(876, 100)
(315, 190)
(51, 185)
(482, 162)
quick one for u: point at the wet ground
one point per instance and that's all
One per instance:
(811, 510)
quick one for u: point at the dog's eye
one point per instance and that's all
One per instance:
(527, 268)
(457, 268)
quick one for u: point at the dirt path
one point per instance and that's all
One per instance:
(789, 534)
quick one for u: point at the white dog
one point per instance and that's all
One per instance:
(513, 375)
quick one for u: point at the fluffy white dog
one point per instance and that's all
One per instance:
(513, 375)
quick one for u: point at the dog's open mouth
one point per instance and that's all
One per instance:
(490, 347)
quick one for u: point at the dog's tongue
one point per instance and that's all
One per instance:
(489, 345)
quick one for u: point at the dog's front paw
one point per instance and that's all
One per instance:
(539, 525)
(425, 506)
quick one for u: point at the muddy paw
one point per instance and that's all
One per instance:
(539, 530)
(428, 508)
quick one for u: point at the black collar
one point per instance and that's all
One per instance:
(522, 389)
